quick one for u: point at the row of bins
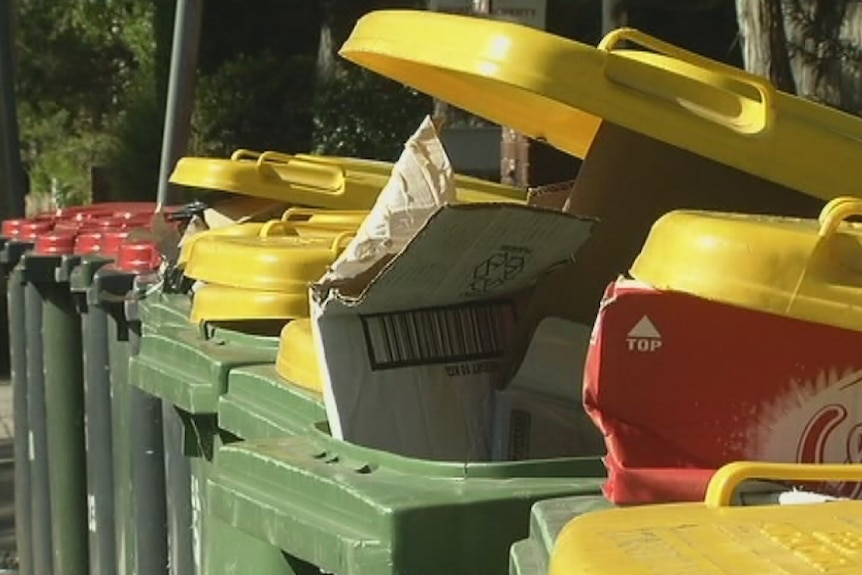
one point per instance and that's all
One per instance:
(161, 432)
(169, 421)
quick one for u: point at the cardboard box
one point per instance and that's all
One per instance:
(421, 345)
(681, 386)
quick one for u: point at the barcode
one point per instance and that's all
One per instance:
(438, 335)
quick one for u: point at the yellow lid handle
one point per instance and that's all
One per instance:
(765, 90)
(835, 212)
(273, 226)
(337, 240)
(295, 212)
(243, 154)
(275, 157)
(728, 479)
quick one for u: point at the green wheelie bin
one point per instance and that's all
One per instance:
(13, 248)
(56, 419)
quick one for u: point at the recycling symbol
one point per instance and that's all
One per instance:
(495, 271)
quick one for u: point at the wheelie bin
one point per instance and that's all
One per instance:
(236, 317)
(136, 424)
(96, 250)
(59, 429)
(55, 392)
(14, 245)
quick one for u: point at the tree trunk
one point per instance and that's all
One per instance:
(812, 48)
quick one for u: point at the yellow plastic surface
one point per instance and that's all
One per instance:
(246, 229)
(297, 360)
(803, 269)
(275, 260)
(223, 303)
(714, 539)
(468, 189)
(559, 90)
(283, 178)
(323, 223)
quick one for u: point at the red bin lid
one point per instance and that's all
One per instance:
(11, 228)
(55, 244)
(139, 257)
(32, 229)
(111, 242)
(88, 243)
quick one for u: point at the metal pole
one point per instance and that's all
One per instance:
(613, 15)
(181, 92)
(11, 171)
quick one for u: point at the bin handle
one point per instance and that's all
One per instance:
(243, 154)
(835, 212)
(274, 157)
(727, 480)
(289, 214)
(337, 240)
(276, 225)
(615, 70)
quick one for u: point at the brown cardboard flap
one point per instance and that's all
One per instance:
(628, 181)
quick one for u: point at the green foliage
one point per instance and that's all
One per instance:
(260, 102)
(77, 63)
(59, 152)
(358, 113)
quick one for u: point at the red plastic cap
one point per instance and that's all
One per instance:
(55, 244)
(32, 229)
(111, 242)
(88, 243)
(11, 228)
(139, 257)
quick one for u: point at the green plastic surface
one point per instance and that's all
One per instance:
(165, 309)
(547, 518)
(356, 511)
(183, 367)
(260, 404)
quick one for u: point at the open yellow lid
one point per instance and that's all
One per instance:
(559, 90)
(715, 539)
(283, 178)
(275, 260)
(213, 303)
(806, 269)
(297, 360)
(245, 229)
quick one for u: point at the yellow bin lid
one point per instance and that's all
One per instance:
(275, 260)
(297, 359)
(310, 222)
(283, 178)
(559, 90)
(715, 539)
(218, 303)
(806, 269)
(245, 229)
(468, 189)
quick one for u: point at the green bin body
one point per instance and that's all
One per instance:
(532, 556)
(187, 368)
(136, 429)
(351, 510)
(9, 256)
(97, 406)
(56, 420)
